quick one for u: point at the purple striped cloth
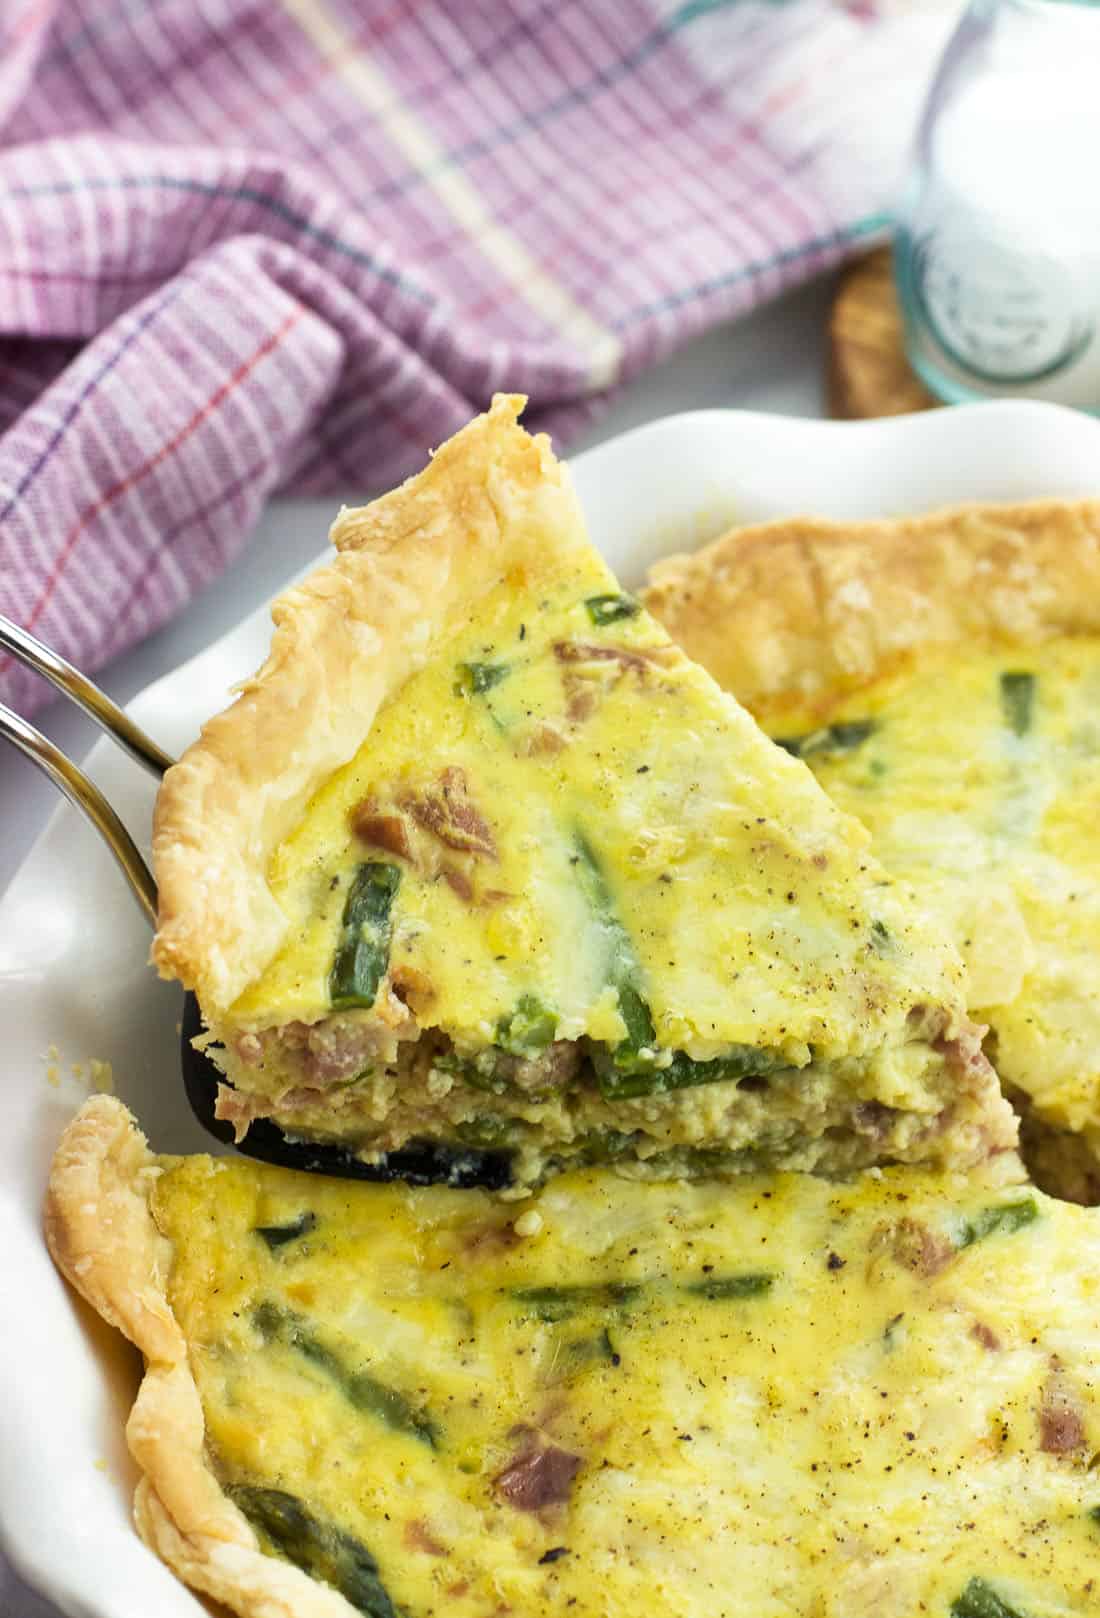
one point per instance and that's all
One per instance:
(260, 245)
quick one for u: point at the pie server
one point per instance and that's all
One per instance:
(422, 1163)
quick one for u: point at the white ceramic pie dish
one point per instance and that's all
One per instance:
(73, 978)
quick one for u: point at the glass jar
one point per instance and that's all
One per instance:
(998, 242)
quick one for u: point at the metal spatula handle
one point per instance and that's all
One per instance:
(33, 654)
(90, 801)
(29, 650)
(419, 1163)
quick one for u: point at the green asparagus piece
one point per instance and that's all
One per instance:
(362, 1390)
(1001, 1219)
(279, 1235)
(980, 1600)
(530, 1028)
(363, 950)
(318, 1547)
(603, 1146)
(750, 1284)
(635, 1067)
(843, 737)
(524, 1032)
(556, 1303)
(1018, 700)
(623, 969)
(608, 609)
(487, 1130)
(477, 678)
(561, 1303)
(626, 1073)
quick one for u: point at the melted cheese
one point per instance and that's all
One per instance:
(998, 832)
(749, 903)
(782, 1396)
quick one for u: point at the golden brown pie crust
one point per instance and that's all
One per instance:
(102, 1237)
(800, 611)
(410, 568)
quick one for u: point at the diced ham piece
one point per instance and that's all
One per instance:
(924, 1021)
(577, 651)
(538, 1477)
(1061, 1420)
(343, 1045)
(873, 1119)
(240, 1110)
(449, 815)
(380, 829)
(339, 1050)
(581, 699)
(985, 1335)
(551, 1069)
(544, 738)
(458, 882)
(231, 1107)
(412, 987)
(582, 694)
(419, 1537)
(965, 1053)
(920, 1249)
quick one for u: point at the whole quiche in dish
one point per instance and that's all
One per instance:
(480, 858)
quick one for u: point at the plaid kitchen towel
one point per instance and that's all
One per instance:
(252, 245)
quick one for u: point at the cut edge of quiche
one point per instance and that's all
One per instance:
(478, 858)
(800, 617)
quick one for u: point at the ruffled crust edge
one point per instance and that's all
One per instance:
(102, 1237)
(410, 569)
(799, 611)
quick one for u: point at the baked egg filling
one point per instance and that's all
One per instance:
(774, 1396)
(567, 901)
(977, 773)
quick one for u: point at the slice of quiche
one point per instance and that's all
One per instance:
(941, 677)
(755, 1398)
(480, 858)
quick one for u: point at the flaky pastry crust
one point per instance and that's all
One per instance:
(411, 567)
(802, 610)
(102, 1237)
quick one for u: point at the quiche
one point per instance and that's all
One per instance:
(480, 859)
(749, 1399)
(940, 676)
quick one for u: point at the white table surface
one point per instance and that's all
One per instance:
(771, 361)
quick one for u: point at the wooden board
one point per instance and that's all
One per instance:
(868, 373)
